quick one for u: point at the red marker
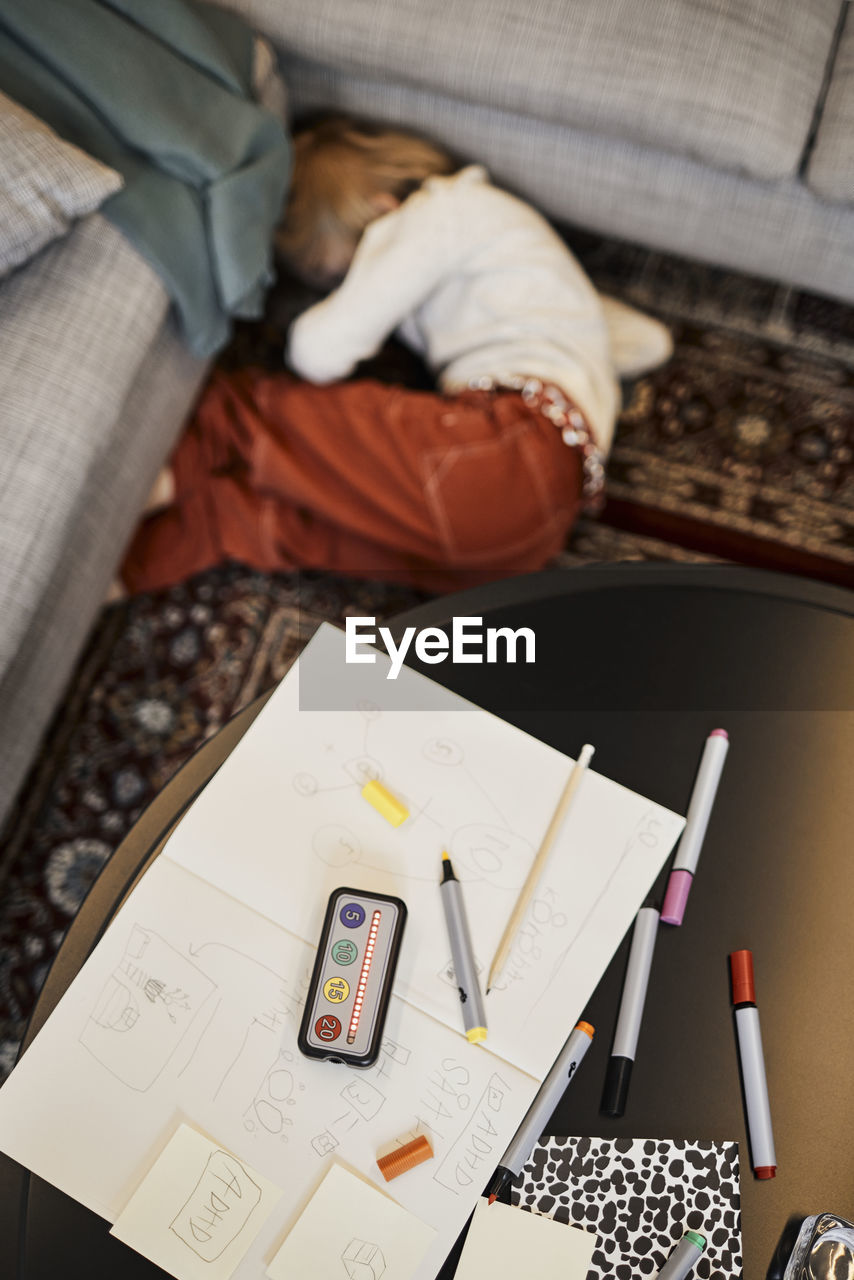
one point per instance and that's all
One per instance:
(752, 1065)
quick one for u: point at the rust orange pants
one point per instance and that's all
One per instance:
(361, 478)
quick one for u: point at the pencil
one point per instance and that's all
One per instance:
(538, 865)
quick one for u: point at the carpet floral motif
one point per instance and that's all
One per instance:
(763, 458)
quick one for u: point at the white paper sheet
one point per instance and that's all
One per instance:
(188, 1010)
(283, 823)
(505, 1243)
(350, 1228)
(189, 1006)
(198, 1209)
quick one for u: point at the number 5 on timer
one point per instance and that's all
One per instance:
(352, 978)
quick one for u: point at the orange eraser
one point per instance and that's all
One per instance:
(405, 1158)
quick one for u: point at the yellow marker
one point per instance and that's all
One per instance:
(393, 810)
(462, 955)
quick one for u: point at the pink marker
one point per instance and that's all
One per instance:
(688, 853)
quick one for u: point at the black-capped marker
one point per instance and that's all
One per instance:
(619, 1071)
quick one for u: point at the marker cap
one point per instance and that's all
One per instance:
(741, 969)
(676, 897)
(476, 1034)
(586, 1028)
(766, 1171)
(616, 1091)
(694, 1236)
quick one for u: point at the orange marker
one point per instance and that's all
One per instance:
(405, 1158)
(548, 1096)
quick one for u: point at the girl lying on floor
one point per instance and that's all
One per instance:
(438, 490)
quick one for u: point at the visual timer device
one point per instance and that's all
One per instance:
(350, 987)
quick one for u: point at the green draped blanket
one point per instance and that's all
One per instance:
(161, 91)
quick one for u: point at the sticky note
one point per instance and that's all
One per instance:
(392, 809)
(198, 1209)
(351, 1228)
(510, 1243)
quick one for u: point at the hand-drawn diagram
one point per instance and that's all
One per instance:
(351, 1229)
(363, 1100)
(447, 975)
(363, 1261)
(443, 751)
(364, 769)
(532, 939)
(336, 846)
(363, 1097)
(647, 834)
(145, 1009)
(218, 1208)
(150, 1001)
(360, 768)
(257, 1009)
(488, 850)
(476, 1151)
(390, 1052)
(267, 1110)
(491, 853)
(445, 1095)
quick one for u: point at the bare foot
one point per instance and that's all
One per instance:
(639, 343)
(162, 491)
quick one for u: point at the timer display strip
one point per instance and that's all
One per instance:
(351, 981)
(363, 977)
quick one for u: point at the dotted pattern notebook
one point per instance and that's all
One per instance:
(639, 1195)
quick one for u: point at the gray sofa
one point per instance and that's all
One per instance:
(719, 129)
(95, 384)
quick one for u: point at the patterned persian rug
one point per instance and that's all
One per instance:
(743, 445)
(740, 448)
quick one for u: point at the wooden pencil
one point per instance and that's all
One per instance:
(537, 866)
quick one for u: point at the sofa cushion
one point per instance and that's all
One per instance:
(75, 325)
(731, 82)
(45, 185)
(831, 168)
(656, 198)
(96, 522)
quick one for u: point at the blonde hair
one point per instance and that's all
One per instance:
(342, 169)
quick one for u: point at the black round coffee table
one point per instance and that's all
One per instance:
(643, 661)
